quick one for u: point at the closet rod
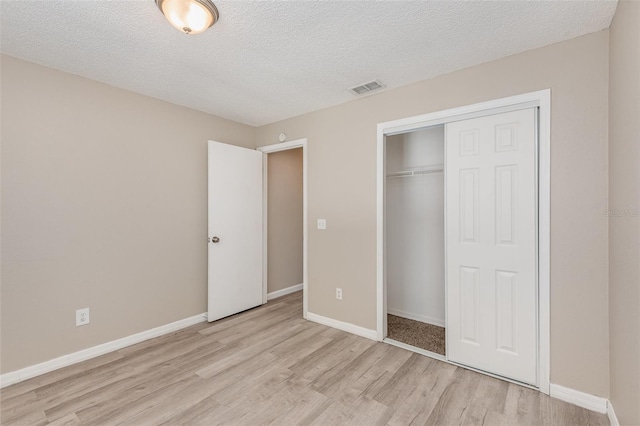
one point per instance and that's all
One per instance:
(418, 172)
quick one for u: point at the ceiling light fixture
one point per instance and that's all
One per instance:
(189, 16)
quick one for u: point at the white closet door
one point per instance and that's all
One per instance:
(491, 244)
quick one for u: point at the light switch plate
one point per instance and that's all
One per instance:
(322, 223)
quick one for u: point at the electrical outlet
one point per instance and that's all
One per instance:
(322, 223)
(82, 317)
(339, 293)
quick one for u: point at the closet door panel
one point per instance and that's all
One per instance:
(491, 231)
(469, 308)
(469, 206)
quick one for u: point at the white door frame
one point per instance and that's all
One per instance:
(268, 149)
(540, 99)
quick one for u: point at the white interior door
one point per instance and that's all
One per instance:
(235, 230)
(491, 244)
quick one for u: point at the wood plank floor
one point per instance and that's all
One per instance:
(269, 366)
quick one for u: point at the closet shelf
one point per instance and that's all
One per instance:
(418, 172)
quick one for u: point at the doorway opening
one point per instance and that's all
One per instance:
(414, 206)
(285, 220)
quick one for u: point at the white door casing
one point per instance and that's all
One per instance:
(491, 238)
(235, 218)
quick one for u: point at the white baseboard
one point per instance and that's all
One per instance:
(613, 420)
(416, 317)
(284, 291)
(581, 399)
(85, 354)
(344, 326)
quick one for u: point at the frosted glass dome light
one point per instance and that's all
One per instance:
(189, 16)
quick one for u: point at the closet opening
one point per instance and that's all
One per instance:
(415, 240)
(496, 246)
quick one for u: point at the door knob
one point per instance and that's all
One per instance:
(215, 240)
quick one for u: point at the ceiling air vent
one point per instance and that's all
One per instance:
(367, 87)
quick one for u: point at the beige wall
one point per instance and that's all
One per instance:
(624, 203)
(284, 229)
(342, 189)
(104, 198)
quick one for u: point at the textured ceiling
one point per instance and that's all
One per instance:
(268, 60)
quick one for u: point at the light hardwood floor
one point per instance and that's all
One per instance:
(269, 366)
